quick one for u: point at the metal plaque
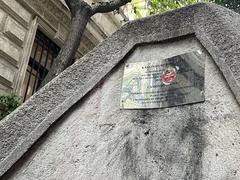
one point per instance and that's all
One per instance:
(163, 83)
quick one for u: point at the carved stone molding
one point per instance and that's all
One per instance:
(49, 11)
(16, 11)
(56, 14)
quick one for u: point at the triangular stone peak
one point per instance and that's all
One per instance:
(159, 99)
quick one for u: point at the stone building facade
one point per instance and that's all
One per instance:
(22, 20)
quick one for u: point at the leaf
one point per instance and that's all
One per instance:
(148, 7)
(8, 103)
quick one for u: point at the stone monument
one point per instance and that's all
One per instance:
(158, 100)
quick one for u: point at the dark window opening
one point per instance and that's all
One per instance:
(43, 52)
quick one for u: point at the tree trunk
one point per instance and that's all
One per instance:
(81, 13)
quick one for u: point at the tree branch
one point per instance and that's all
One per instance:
(76, 5)
(104, 7)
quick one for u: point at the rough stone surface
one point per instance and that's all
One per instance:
(96, 140)
(217, 29)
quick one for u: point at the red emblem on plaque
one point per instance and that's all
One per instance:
(169, 74)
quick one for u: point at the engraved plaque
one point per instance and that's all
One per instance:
(163, 83)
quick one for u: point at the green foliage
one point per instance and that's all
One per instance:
(156, 6)
(143, 8)
(8, 103)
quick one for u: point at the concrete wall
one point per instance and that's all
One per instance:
(19, 20)
(97, 140)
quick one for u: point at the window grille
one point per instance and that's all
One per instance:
(41, 60)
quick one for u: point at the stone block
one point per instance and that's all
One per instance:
(6, 73)
(61, 32)
(104, 22)
(4, 89)
(17, 10)
(2, 18)
(15, 31)
(92, 32)
(51, 19)
(9, 51)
